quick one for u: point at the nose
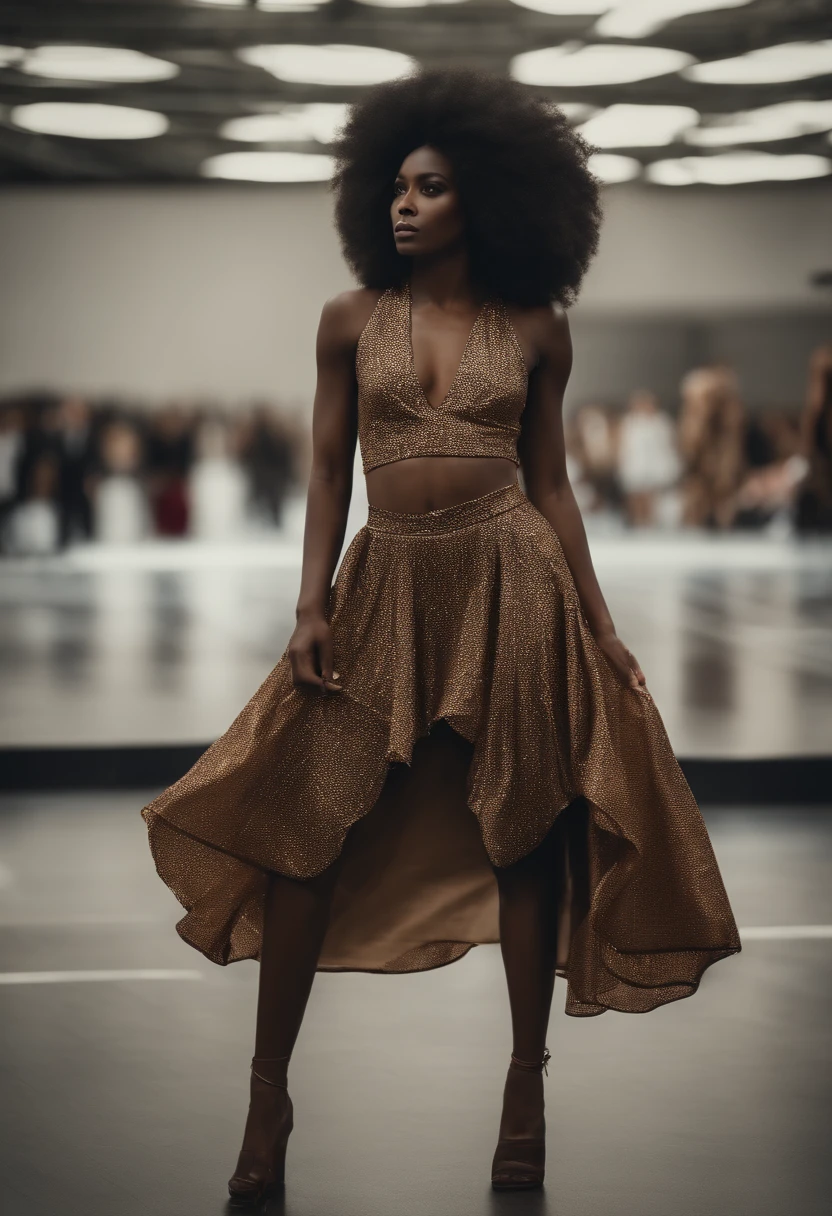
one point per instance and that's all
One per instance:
(405, 205)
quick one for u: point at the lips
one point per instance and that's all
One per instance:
(405, 228)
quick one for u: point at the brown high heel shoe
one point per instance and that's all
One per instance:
(519, 1162)
(262, 1173)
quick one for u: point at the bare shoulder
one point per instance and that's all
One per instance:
(344, 316)
(543, 333)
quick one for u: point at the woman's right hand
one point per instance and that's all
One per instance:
(310, 654)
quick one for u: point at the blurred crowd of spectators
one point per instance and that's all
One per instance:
(713, 464)
(71, 470)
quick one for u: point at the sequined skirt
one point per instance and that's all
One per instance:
(477, 716)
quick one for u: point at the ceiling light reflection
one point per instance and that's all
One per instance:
(82, 120)
(633, 126)
(769, 65)
(269, 166)
(332, 63)
(612, 169)
(108, 64)
(572, 65)
(736, 168)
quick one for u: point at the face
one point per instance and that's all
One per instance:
(426, 201)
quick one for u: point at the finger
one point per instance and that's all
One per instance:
(328, 676)
(305, 673)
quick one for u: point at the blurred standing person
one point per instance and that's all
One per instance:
(596, 432)
(648, 459)
(77, 466)
(268, 458)
(813, 511)
(169, 459)
(120, 504)
(217, 485)
(712, 445)
(11, 452)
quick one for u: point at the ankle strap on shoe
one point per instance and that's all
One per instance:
(257, 1061)
(539, 1067)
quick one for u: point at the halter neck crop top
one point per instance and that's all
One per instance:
(480, 415)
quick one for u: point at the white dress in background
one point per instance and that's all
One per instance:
(647, 454)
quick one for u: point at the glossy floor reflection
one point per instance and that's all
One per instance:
(126, 1095)
(164, 644)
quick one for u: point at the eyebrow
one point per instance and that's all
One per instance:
(428, 173)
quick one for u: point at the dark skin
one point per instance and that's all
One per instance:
(444, 310)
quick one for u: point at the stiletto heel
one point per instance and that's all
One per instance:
(266, 1170)
(519, 1163)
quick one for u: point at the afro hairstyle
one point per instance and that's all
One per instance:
(531, 206)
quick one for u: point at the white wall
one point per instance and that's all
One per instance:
(150, 291)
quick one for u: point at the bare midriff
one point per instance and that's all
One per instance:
(428, 483)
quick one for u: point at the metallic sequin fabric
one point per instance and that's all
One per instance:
(458, 624)
(480, 415)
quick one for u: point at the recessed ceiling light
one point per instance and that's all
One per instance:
(631, 126)
(573, 65)
(269, 166)
(333, 63)
(96, 63)
(272, 6)
(734, 168)
(769, 65)
(611, 169)
(785, 120)
(82, 120)
(565, 8)
(575, 111)
(408, 3)
(316, 120)
(640, 18)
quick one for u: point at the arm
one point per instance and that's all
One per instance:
(543, 459)
(334, 431)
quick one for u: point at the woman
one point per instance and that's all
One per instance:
(455, 747)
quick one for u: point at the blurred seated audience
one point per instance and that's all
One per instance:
(71, 469)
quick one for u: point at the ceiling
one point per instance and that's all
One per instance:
(203, 82)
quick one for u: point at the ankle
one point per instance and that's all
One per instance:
(519, 1064)
(272, 1070)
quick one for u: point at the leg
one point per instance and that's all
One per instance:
(295, 919)
(528, 941)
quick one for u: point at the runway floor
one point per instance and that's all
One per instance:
(164, 644)
(124, 1054)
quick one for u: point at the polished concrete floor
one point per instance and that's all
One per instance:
(164, 643)
(124, 1053)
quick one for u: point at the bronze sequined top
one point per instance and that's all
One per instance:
(480, 415)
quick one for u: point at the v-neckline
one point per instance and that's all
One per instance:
(411, 362)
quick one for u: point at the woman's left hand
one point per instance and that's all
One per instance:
(623, 661)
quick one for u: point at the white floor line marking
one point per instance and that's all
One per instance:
(74, 977)
(785, 933)
(81, 920)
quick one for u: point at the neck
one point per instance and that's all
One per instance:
(443, 279)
